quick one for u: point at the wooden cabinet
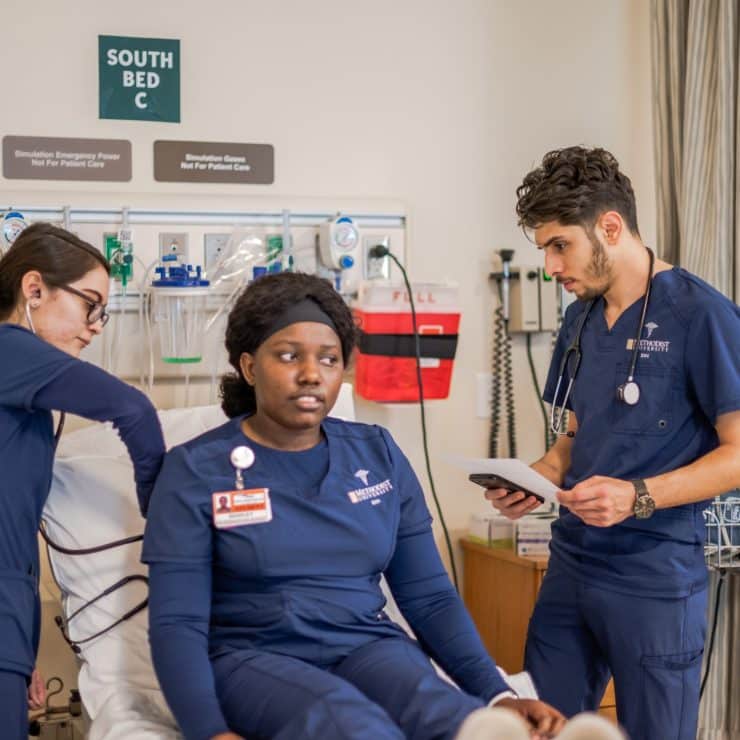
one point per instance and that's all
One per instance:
(500, 590)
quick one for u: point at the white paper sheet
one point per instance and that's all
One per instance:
(514, 470)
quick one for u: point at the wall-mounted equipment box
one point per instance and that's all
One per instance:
(533, 300)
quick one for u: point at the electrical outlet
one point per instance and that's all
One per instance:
(213, 247)
(375, 268)
(171, 242)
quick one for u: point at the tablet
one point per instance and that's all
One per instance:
(509, 473)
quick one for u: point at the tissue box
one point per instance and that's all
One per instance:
(533, 535)
(492, 530)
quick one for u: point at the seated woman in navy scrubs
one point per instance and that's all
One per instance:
(53, 294)
(266, 613)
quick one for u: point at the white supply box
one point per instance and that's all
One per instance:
(492, 530)
(533, 535)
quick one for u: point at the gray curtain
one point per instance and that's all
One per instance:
(719, 715)
(695, 66)
(695, 61)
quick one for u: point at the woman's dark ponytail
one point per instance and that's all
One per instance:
(7, 297)
(237, 396)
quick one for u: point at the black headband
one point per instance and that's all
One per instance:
(305, 310)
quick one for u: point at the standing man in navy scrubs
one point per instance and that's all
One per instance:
(653, 432)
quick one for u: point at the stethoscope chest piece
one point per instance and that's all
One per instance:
(241, 458)
(629, 392)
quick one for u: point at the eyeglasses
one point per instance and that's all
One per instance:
(96, 312)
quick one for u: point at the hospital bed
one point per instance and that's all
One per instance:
(92, 502)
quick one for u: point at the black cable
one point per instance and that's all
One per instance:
(537, 390)
(509, 392)
(50, 544)
(502, 359)
(60, 428)
(712, 634)
(86, 550)
(496, 386)
(551, 436)
(387, 252)
(75, 644)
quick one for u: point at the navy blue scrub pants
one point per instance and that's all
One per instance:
(386, 689)
(580, 634)
(13, 705)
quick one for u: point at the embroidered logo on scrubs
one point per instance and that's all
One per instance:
(370, 493)
(362, 475)
(647, 344)
(235, 508)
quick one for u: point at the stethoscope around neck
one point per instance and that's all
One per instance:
(628, 392)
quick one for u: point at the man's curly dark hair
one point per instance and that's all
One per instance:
(574, 186)
(254, 312)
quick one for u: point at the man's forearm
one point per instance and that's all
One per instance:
(549, 471)
(712, 474)
(555, 462)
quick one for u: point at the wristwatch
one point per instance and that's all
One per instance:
(644, 503)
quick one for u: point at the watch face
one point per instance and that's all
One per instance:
(644, 507)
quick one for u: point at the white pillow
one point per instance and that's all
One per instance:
(92, 502)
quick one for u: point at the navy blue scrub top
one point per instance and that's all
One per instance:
(688, 371)
(35, 378)
(305, 584)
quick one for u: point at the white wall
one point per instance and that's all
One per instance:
(439, 106)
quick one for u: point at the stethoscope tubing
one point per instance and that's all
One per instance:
(556, 418)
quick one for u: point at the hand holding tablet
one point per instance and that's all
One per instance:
(508, 473)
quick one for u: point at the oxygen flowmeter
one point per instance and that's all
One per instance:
(338, 242)
(13, 224)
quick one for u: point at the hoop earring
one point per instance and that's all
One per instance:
(28, 317)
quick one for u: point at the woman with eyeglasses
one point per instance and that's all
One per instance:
(53, 294)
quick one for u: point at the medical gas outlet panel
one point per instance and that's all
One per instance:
(136, 240)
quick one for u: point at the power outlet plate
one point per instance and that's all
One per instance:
(213, 247)
(173, 242)
(377, 268)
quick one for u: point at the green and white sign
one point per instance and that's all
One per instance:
(139, 78)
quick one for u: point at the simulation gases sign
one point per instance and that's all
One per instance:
(217, 162)
(139, 78)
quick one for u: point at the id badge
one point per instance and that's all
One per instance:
(237, 508)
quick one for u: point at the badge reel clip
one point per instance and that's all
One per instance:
(241, 458)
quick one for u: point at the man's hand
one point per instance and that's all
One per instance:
(36, 691)
(512, 504)
(545, 721)
(600, 501)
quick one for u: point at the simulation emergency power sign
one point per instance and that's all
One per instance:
(139, 78)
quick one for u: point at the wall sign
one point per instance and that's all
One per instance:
(54, 158)
(206, 161)
(139, 78)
